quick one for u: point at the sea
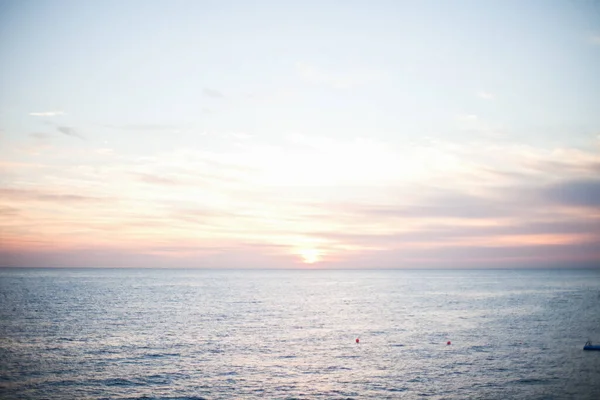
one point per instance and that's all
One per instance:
(291, 334)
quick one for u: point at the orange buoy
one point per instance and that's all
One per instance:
(449, 343)
(357, 341)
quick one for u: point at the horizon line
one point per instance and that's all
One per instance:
(313, 269)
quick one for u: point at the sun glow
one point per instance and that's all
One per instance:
(310, 256)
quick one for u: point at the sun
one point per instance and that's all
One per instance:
(310, 256)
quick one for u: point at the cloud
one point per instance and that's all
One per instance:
(439, 206)
(38, 195)
(569, 255)
(475, 125)
(485, 95)
(515, 232)
(47, 113)
(517, 211)
(413, 202)
(337, 80)
(595, 39)
(69, 131)
(157, 180)
(145, 127)
(192, 169)
(564, 167)
(105, 151)
(558, 163)
(8, 211)
(40, 135)
(240, 255)
(212, 93)
(241, 135)
(466, 117)
(578, 193)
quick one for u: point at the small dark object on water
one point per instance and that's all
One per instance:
(448, 343)
(589, 346)
(357, 341)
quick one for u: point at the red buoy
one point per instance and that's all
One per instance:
(357, 341)
(449, 343)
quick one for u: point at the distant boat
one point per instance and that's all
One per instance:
(589, 346)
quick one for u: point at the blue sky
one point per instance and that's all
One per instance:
(285, 134)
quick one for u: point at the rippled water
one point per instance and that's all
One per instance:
(291, 334)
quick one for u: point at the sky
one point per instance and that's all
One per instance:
(313, 134)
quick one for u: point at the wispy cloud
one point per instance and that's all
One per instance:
(39, 195)
(47, 113)
(40, 135)
(212, 93)
(9, 211)
(337, 80)
(157, 180)
(144, 127)
(485, 95)
(241, 135)
(466, 117)
(69, 131)
(578, 193)
(419, 203)
(480, 126)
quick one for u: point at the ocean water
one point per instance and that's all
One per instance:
(208, 334)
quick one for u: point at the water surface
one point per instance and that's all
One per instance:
(291, 334)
